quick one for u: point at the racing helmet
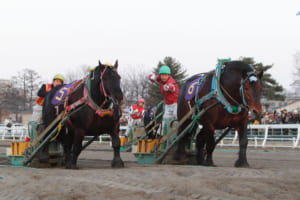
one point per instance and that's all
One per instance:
(164, 70)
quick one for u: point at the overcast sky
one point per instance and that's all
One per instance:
(56, 36)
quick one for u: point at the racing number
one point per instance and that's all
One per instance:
(61, 92)
(191, 88)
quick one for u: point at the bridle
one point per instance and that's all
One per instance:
(100, 110)
(106, 98)
(251, 76)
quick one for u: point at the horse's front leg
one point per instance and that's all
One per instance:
(243, 141)
(117, 162)
(210, 146)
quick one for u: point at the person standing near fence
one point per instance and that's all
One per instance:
(294, 118)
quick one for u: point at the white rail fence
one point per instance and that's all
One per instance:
(13, 133)
(267, 135)
(262, 135)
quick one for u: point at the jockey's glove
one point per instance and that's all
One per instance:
(135, 111)
(166, 88)
(152, 77)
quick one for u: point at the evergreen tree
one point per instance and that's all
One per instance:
(177, 72)
(271, 90)
(296, 74)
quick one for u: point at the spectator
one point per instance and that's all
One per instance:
(284, 118)
(294, 118)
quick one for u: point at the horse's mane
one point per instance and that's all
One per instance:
(194, 77)
(238, 66)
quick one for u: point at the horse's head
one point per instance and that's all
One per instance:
(110, 82)
(244, 84)
(252, 92)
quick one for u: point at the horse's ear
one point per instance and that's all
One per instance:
(260, 75)
(99, 63)
(116, 66)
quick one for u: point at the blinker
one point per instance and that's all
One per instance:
(252, 79)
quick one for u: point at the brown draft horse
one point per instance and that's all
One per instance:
(98, 114)
(241, 87)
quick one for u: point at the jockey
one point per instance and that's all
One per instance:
(58, 79)
(136, 113)
(169, 90)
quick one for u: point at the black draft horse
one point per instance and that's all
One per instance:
(241, 86)
(106, 95)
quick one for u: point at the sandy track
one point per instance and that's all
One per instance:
(272, 175)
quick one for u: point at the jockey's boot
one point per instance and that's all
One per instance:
(44, 154)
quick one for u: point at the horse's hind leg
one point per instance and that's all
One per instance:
(44, 153)
(201, 140)
(76, 148)
(117, 162)
(180, 154)
(67, 141)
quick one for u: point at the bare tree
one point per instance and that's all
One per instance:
(27, 81)
(10, 98)
(296, 83)
(33, 83)
(77, 74)
(134, 84)
(134, 81)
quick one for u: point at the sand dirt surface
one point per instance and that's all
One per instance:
(272, 175)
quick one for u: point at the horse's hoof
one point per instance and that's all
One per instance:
(240, 163)
(209, 163)
(179, 160)
(117, 164)
(179, 156)
(201, 162)
(44, 157)
(71, 166)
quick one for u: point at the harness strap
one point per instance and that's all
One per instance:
(102, 85)
(98, 109)
(242, 93)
